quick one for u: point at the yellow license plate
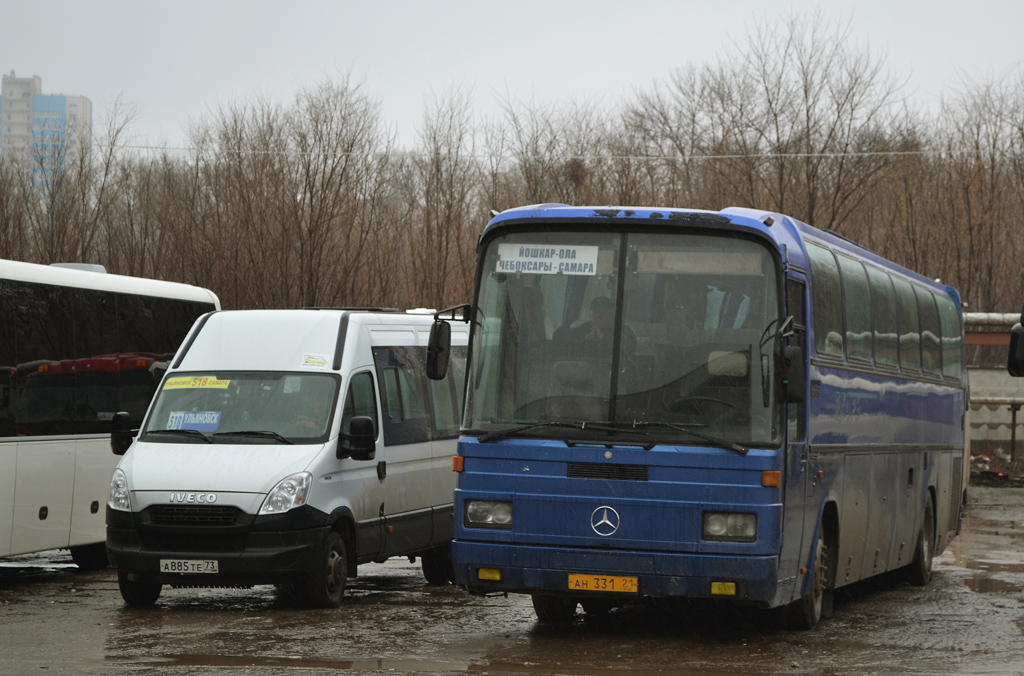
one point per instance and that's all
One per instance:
(603, 583)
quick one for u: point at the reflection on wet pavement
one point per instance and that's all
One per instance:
(968, 620)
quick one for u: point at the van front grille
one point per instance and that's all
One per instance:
(193, 515)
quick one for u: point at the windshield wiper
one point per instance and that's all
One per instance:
(638, 424)
(255, 433)
(510, 431)
(183, 432)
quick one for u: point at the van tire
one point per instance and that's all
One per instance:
(438, 568)
(90, 557)
(324, 586)
(137, 592)
(919, 572)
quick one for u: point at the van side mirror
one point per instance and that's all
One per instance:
(794, 374)
(1015, 359)
(439, 349)
(362, 439)
(121, 433)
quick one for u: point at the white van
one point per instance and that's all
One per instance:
(286, 447)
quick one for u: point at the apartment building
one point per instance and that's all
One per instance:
(47, 133)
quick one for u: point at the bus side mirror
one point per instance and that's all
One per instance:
(794, 374)
(362, 439)
(1015, 360)
(121, 433)
(439, 349)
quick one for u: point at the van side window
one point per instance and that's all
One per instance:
(446, 396)
(401, 372)
(361, 399)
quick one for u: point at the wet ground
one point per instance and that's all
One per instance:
(968, 620)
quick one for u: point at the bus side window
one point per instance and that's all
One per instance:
(883, 318)
(952, 340)
(795, 309)
(931, 350)
(858, 309)
(361, 399)
(827, 302)
(910, 332)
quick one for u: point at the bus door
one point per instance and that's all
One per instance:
(797, 489)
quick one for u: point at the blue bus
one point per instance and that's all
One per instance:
(716, 405)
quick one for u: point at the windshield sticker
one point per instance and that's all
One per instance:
(315, 361)
(539, 259)
(193, 383)
(201, 421)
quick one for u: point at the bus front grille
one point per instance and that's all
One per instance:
(590, 470)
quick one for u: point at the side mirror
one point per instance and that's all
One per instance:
(794, 374)
(1015, 359)
(121, 433)
(439, 349)
(362, 439)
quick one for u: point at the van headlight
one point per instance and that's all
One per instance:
(488, 514)
(289, 493)
(118, 497)
(730, 526)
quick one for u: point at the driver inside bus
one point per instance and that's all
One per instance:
(600, 327)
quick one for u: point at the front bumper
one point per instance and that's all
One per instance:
(246, 555)
(531, 569)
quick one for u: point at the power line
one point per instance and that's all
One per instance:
(674, 158)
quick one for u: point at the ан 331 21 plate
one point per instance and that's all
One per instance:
(603, 583)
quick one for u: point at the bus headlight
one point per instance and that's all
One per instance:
(730, 527)
(118, 497)
(289, 493)
(488, 514)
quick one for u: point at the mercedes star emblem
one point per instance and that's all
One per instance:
(604, 520)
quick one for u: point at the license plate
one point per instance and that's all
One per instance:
(603, 583)
(189, 566)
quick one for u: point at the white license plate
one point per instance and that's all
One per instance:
(189, 566)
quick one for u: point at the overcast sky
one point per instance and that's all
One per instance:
(176, 62)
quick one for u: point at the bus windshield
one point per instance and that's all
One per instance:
(611, 336)
(239, 407)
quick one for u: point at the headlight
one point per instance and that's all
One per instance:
(730, 527)
(118, 497)
(488, 514)
(289, 493)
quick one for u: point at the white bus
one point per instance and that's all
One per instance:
(76, 346)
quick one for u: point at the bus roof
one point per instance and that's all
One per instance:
(788, 233)
(101, 281)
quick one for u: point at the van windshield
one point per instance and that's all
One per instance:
(243, 407)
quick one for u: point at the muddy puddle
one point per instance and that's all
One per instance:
(968, 620)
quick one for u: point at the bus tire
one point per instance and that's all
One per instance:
(324, 586)
(90, 557)
(806, 612)
(919, 572)
(137, 592)
(554, 609)
(438, 568)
